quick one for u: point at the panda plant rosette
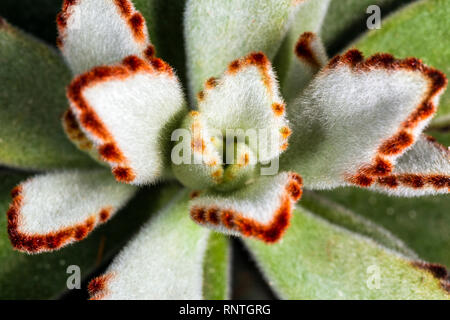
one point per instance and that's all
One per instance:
(191, 123)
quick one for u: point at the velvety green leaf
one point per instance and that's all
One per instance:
(217, 32)
(201, 168)
(139, 126)
(420, 30)
(48, 204)
(32, 100)
(243, 100)
(259, 210)
(164, 260)
(44, 276)
(340, 215)
(422, 223)
(35, 17)
(165, 27)
(318, 260)
(346, 19)
(338, 107)
(216, 268)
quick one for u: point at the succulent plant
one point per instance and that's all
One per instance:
(211, 118)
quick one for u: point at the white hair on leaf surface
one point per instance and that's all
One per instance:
(261, 209)
(358, 116)
(53, 210)
(217, 32)
(422, 170)
(247, 97)
(202, 167)
(88, 39)
(124, 110)
(163, 261)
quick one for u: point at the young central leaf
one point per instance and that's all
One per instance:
(205, 159)
(240, 123)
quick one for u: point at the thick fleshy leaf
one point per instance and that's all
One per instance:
(128, 112)
(164, 260)
(319, 260)
(358, 116)
(293, 78)
(165, 26)
(53, 210)
(217, 32)
(310, 57)
(247, 98)
(261, 210)
(100, 32)
(201, 158)
(44, 276)
(419, 31)
(346, 19)
(216, 268)
(422, 223)
(423, 169)
(32, 101)
(352, 221)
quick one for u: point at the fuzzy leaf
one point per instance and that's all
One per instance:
(422, 223)
(358, 116)
(245, 98)
(44, 276)
(32, 101)
(101, 32)
(202, 168)
(201, 158)
(419, 30)
(128, 111)
(346, 19)
(216, 268)
(294, 77)
(164, 260)
(344, 217)
(217, 32)
(53, 210)
(318, 260)
(423, 169)
(261, 209)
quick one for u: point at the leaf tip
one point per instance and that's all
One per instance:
(36, 243)
(437, 270)
(303, 49)
(98, 287)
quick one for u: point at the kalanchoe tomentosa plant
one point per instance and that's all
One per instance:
(268, 116)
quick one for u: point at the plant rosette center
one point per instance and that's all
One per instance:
(222, 160)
